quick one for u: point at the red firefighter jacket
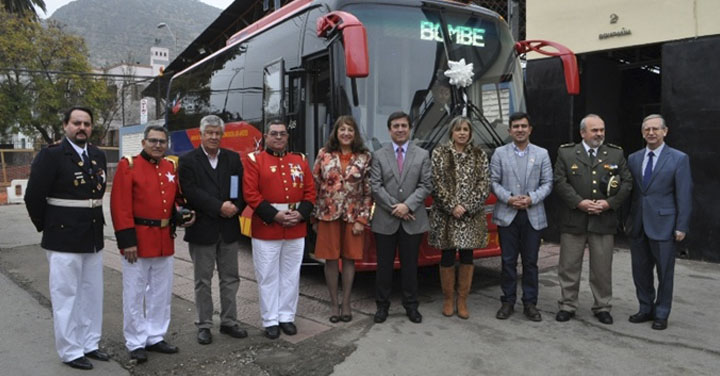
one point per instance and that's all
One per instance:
(278, 178)
(148, 190)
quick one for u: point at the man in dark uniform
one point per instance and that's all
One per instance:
(144, 193)
(279, 186)
(211, 181)
(586, 180)
(64, 200)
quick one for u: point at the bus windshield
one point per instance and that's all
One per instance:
(408, 58)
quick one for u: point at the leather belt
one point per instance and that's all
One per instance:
(68, 203)
(284, 206)
(152, 222)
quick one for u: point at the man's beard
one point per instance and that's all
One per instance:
(596, 144)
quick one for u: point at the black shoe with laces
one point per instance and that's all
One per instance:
(163, 347)
(288, 328)
(234, 331)
(505, 311)
(532, 313)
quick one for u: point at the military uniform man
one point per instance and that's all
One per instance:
(592, 179)
(279, 186)
(64, 200)
(145, 191)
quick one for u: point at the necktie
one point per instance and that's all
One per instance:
(648, 170)
(400, 158)
(86, 162)
(591, 152)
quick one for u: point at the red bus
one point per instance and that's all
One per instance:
(314, 60)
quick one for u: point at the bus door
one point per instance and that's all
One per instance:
(294, 117)
(317, 102)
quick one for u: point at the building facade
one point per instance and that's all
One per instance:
(636, 58)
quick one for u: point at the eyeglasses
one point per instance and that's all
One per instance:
(156, 141)
(277, 134)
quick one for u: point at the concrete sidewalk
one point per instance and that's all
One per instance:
(483, 345)
(27, 337)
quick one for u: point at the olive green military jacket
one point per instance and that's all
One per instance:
(577, 178)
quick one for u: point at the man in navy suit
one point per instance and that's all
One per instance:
(660, 216)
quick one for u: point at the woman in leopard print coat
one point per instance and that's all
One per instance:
(457, 220)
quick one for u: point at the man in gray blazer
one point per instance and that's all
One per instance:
(401, 179)
(521, 178)
(660, 217)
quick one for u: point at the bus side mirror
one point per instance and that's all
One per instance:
(569, 61)
(354, 40)
(356, 52)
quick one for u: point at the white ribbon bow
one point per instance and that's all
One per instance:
(460, 73)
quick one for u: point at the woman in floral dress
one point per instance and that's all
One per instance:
(342, 209)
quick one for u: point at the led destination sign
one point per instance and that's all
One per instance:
(463, 35)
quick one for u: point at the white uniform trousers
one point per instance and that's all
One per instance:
(277, 270)
(146, 283)
(76, 293)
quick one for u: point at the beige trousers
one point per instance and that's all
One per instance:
(572, 248)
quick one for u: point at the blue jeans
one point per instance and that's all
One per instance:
(519, 238)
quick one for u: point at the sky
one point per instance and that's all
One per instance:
(52, 5)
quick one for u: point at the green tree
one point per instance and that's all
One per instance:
(24, 6)
(43, 71)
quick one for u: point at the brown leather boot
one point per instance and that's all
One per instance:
(465, 276)
(447, 281)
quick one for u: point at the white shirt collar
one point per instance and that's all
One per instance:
(208, 155)
(587, 148)
(657, 150)
(403, 146)
(79, 150)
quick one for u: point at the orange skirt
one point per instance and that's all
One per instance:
(335, 238)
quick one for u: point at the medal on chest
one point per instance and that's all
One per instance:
(296, 174)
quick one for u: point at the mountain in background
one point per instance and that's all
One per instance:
(118, 31)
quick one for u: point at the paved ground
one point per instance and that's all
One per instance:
(480, 345)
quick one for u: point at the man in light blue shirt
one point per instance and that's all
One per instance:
(521, 178)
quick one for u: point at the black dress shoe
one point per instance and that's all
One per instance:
(204, 336)
(381, 315)
(139, 355)
(532, 313)
(414, 315)
(288, 328)
(163, 347)
(505, 311)
(98, 355)
(641, 317)
(564, 315)
(659, 324)
(604, 317)
(234, 331)
(80, 363)
(272, 332)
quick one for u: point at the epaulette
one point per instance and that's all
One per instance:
(251, 156)
(173, 159)
(300, 154)
(130, 160)
(614, 146)
(568, 145)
